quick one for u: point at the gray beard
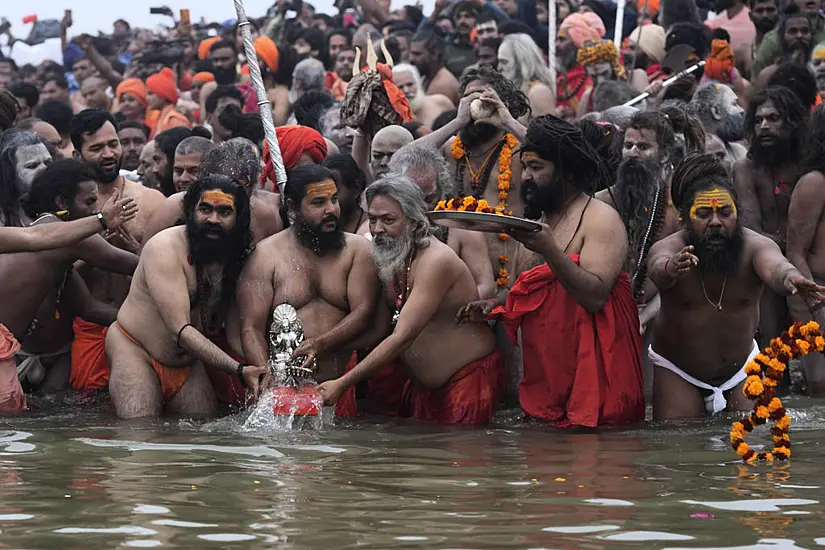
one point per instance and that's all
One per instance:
(390, 256)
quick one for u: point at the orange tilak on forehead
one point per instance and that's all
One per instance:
(216, 197)
(715, 199)
(326, 188)
(529, 155)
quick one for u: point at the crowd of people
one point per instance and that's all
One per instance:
(146, 240)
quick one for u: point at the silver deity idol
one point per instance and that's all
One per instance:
(285, 335)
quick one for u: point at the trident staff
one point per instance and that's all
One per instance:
(263, 101)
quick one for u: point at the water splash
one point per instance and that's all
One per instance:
(263, 417)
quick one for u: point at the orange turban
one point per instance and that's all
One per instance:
(294, 141)
(203, 77)
(133, 87)
(582, 26)
(162, 84)
(268, 51)
(652, 7)
(203, 47)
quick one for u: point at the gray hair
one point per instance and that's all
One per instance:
(309, 75)
(705, 98)
(237, 158)
(415, 157)
(529, 60)
(193, 145)
(619, 115)
(411, 200)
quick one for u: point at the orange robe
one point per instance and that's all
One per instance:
(470, 396)
(169, 117)
(90, 367)
(580, 368)
(11, 393)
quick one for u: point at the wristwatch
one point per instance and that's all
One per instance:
(102, 220)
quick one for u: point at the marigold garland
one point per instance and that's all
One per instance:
(764, 372)
(505, 176)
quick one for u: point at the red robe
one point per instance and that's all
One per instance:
(580, 368)
(385, 389)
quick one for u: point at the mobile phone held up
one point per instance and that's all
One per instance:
(157, 11)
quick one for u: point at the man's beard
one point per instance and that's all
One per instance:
(764, 26)
(390, 255)
(108, 175)
(566, 59)
(771, 154)
(635, 194)
(225, 76)
(423, 69)
(541, 198)
(319, 241)
(731, 127)
(799, 52)
(477, 134)
(717, 257)
(206, 250)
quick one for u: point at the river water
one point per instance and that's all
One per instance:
(83, 479)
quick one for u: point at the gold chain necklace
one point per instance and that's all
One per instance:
(717, 305)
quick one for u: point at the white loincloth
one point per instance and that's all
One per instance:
(31, 367)
(715, 402)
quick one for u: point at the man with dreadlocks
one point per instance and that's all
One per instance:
(600, 59)
(776, 128)
(572, 301)
(179, 298)
(710, 276)
(327, 275)
(806, 239)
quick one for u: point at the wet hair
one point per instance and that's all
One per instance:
(59, 179)
(698, 172)
(298, 179)
(88, 122)
(814, 159)
(410, 199)
(352, 177)
(680, 91)
(559, 142)
(27, 91)
(606, 140)
(417, 158)
(444, 118)
(658, 123)
(10, 142)
(798, 79)
(56, 113)
(432, 42)
(515, 100)
(619, 115)
(242, 231)
(611, 93)
(686, 125)
(194, 145)
(8, 109)
(220, 92)
(134, 124)
(309, 108)
(787, 104)
(237, 158)
(220, 44)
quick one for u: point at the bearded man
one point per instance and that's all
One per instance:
(428, 55)
(817, 67)
(327, 275)
(94, 136)
(601, 61)
(23, 155)
(159, 347)
(711, 275)
(717, 107)
(792, 39)
(426, 108)
(572, 80)
(571, 299)
(456, 373)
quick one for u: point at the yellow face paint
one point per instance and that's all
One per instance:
(326, 188)
(528, 156)
(216, 197)
(715, 200)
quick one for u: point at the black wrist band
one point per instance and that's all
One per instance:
(240, 374)
(102, 220)
(177, 342)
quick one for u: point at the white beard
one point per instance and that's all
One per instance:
(390, 256)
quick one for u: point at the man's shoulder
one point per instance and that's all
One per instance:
(437, 255)
(141, 192)
(170, 239)
(445, 77)
(357, 243)
(601, 213)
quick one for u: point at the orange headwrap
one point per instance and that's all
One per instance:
(203, 77)
(268, 51)
(652, 7)
(582, 26)
(203, 47)
(397, 98)
(719, 64)
(294, 141)
(133, 87)
(163, 84)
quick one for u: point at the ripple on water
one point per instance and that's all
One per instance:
(608, 502)
(755, 505)
(150, 509)
(581, 529)
(226, 537)
(762, 544)
(142, 543)
(645, 536)
(15, 517)
(257, 451)
(123, 530)
(178, 523)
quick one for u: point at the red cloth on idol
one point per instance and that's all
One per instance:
(580, 368)
(90, 367)
(385, 389)
(470, 396)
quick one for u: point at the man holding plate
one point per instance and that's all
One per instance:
(579, 324)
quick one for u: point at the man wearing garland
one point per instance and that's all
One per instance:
(456, 372)
(710, 276)
(571, 301)
(601, 61)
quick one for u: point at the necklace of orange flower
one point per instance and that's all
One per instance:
(402, 294)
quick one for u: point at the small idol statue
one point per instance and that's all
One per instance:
(285, 335)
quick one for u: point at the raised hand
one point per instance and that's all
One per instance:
(463, 114)
(117, 212)
(681, 263)
(812, 293)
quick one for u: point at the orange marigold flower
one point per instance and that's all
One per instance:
(503, 236)
(743, 449)
(784, 423)
(775, 404)
(503, 259)
(804, 347)
(753, 369)
(769, 383)
(782, 452)
(762, 412)
(819, 343)
(753, 387)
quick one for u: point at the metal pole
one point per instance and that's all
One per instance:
(617, 33)
(263, 100)
(665, 84)
(551, 41)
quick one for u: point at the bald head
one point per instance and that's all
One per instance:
(386, 142)
(94, 93)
